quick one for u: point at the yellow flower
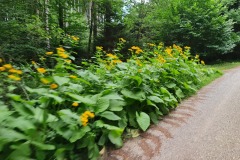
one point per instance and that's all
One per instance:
(33, 62)
(151, 44)
(85, 116)
(117, 61)
(2, 69)
(15, 71)
(99, 48)
(187, 48)
(137, 49)
(68, 61)
(169, 51)
(75, 104)
(73, 77)
(49, 53)
(202, 62)
(75, 38)
(7, 66)
(60, 49)
(197, 56)
(13, 77)
(44, 81)
(41, 70)
(1, 60)
(122, 40)
(19, 72)
(53, 86)
(63, 55)
(112, 56)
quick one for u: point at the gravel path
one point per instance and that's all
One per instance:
(203, 127)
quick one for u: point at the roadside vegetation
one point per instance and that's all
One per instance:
(71, 111)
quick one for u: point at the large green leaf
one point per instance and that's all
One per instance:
(61, 80)
(68, 116)
(113, 95)
(102, 105)
(143, 120)
(78, 134)
(81, 99)
(155, 99)
(115, 137)
(138, 79)
(179, 93)
(21, 151)
(39, 91)
(110, 115)
(140, 95)
(42, 145)
(101, 124)
(55, 97)
(117, 105)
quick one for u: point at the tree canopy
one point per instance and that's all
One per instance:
(28, 28)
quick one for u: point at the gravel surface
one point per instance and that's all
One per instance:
(205, 126)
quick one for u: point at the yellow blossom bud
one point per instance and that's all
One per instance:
(75, 104)
(41, 70)
(53, 86)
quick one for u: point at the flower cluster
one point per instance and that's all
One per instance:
(136, 49)
(61, 53)
(13, 73)
(75, 38)
(41, 70)
(85, 117)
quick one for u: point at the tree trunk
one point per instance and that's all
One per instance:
(47, 23)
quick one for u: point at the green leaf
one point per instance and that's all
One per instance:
(170, 85)
(10, 135)
(56, 98)
(116, 105)
(21, 151)
(110, 115)
(164, 109)
(61, 80)
(138, 79)
(68, 116)
(113, 95)
(140, 95)
(115, 137)
(81, 99)
(101, 124)
(179, 93)
(15, 97)
(43, 146)
(155, 99)
(102, 105)
(39, 91)
(153, 117)
(165, 91)
(143, 120)
(22, 124)
(79, 134)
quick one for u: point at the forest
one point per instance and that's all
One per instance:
(81, 76)
(29, 28)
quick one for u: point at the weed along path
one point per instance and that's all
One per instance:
(203, 127)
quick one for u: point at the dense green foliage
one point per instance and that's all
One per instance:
(72, 112)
